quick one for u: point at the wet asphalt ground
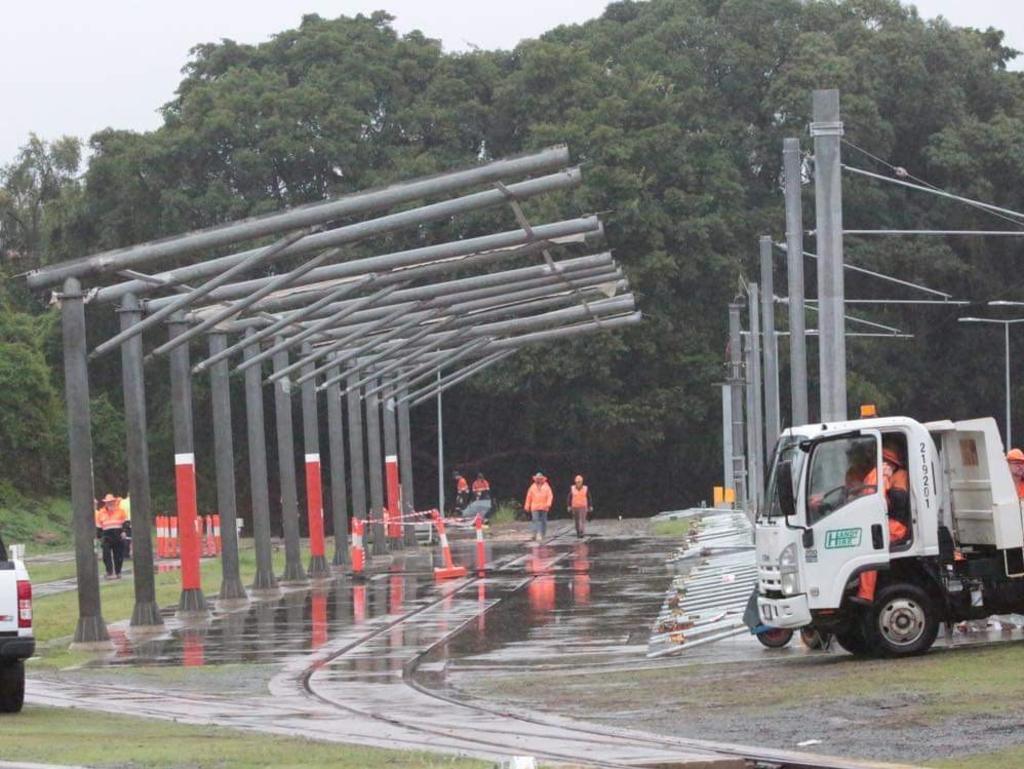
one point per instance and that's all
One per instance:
(373, 661)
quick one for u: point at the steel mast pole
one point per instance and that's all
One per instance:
(91, 628)
(440, 448)
(771, 345)
(393, 491)
(755, 378)
(339, 495)
(727, 470)
(356, 451)
(314, 482)
(264, 580)
(405, 460)
(793, 172)
(739, 463)
(293, 571)
(146, 612)
(827, 129)
(375, 466)
(1009, 439)
(231, 588)
(192, 599)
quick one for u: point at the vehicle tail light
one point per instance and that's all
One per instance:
(24, 603)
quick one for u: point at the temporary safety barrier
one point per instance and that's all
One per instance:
(481, 547)
(449, 570)
(358, 554)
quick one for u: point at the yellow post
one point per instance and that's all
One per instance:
(719, 496)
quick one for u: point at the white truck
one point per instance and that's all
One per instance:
(822, 527)
(16, 641)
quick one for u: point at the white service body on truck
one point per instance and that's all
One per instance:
(16, 640)
(963, 556)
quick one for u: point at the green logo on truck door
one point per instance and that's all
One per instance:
(839, 538)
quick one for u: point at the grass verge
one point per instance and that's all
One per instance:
(671, 528)
(55, 735)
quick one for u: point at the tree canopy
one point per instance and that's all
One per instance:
(677, 110)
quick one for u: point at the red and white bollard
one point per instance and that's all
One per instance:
(185, 488)
(393, 513)
(481, 547)
(160, 544)
(216, 535)
(449, 570)
(358, 555)
(173, 543)
(315, 516)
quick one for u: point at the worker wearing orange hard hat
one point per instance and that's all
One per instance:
(896, 483)
(112, 524)
(1015, 459)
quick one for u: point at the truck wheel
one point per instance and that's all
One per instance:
(852, 639)
(12, 686)
(775, 638)
(901, 622)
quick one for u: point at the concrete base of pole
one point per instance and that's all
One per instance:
(318, 567)
(90, 630)
(232, 589)
(146, 614)
(192, 601)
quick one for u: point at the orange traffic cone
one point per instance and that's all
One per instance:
(358, 555)
(449, 570)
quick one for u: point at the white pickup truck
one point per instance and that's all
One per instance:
(16, 640)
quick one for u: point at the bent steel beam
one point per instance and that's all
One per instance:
(305, 216)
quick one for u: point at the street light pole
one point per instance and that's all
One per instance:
(1006, 337)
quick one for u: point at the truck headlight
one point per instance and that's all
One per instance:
(788, 570)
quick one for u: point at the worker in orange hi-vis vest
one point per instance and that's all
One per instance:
(579, 505)
(538, 505)
(1015, 459)
(112, 529)
(896, 483)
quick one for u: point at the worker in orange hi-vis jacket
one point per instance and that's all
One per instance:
(579, 505)
(538, 504)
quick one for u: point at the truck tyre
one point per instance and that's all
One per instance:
(902, 621)
(852, 639)
(12, 686)
(775, 638)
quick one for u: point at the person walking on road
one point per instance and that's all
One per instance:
(112, 529)
(579, 505)
(538, 505)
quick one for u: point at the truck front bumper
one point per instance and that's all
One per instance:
(17, 648)
(792, 612)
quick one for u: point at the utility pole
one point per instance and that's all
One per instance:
(336, 445)
(754, 380)
(793, 170)
(728, 481)
(771, 346)
(738, 463)
(827, 130)
(293, 570)
(264, 580)
(91, 628)
(318, 567)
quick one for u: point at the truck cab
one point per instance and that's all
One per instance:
(828, 518)
(16, 640)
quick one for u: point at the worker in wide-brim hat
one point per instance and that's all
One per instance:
(538, 504)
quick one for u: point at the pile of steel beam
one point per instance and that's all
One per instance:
(717, 573)
(376, 336)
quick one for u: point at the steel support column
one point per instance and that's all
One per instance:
(356, 451)
(264, 581)
(91, 628)
(231, 588)
(146, 612)
(339, 495)
(393, 491)
(192, 599)
(795, 278)
(827, 130)
(771, 346)
(375, 468)
(293, 571)
(314, 485)
(739, 463)
(405, 461)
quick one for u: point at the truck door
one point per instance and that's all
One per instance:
(846, 511)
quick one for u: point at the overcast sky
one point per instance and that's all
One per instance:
(74, 67)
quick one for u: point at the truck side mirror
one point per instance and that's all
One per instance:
(808, 538)
(784, 487)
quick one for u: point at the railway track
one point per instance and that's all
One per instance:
(580, 743)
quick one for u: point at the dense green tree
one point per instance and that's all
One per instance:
(676, 109)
